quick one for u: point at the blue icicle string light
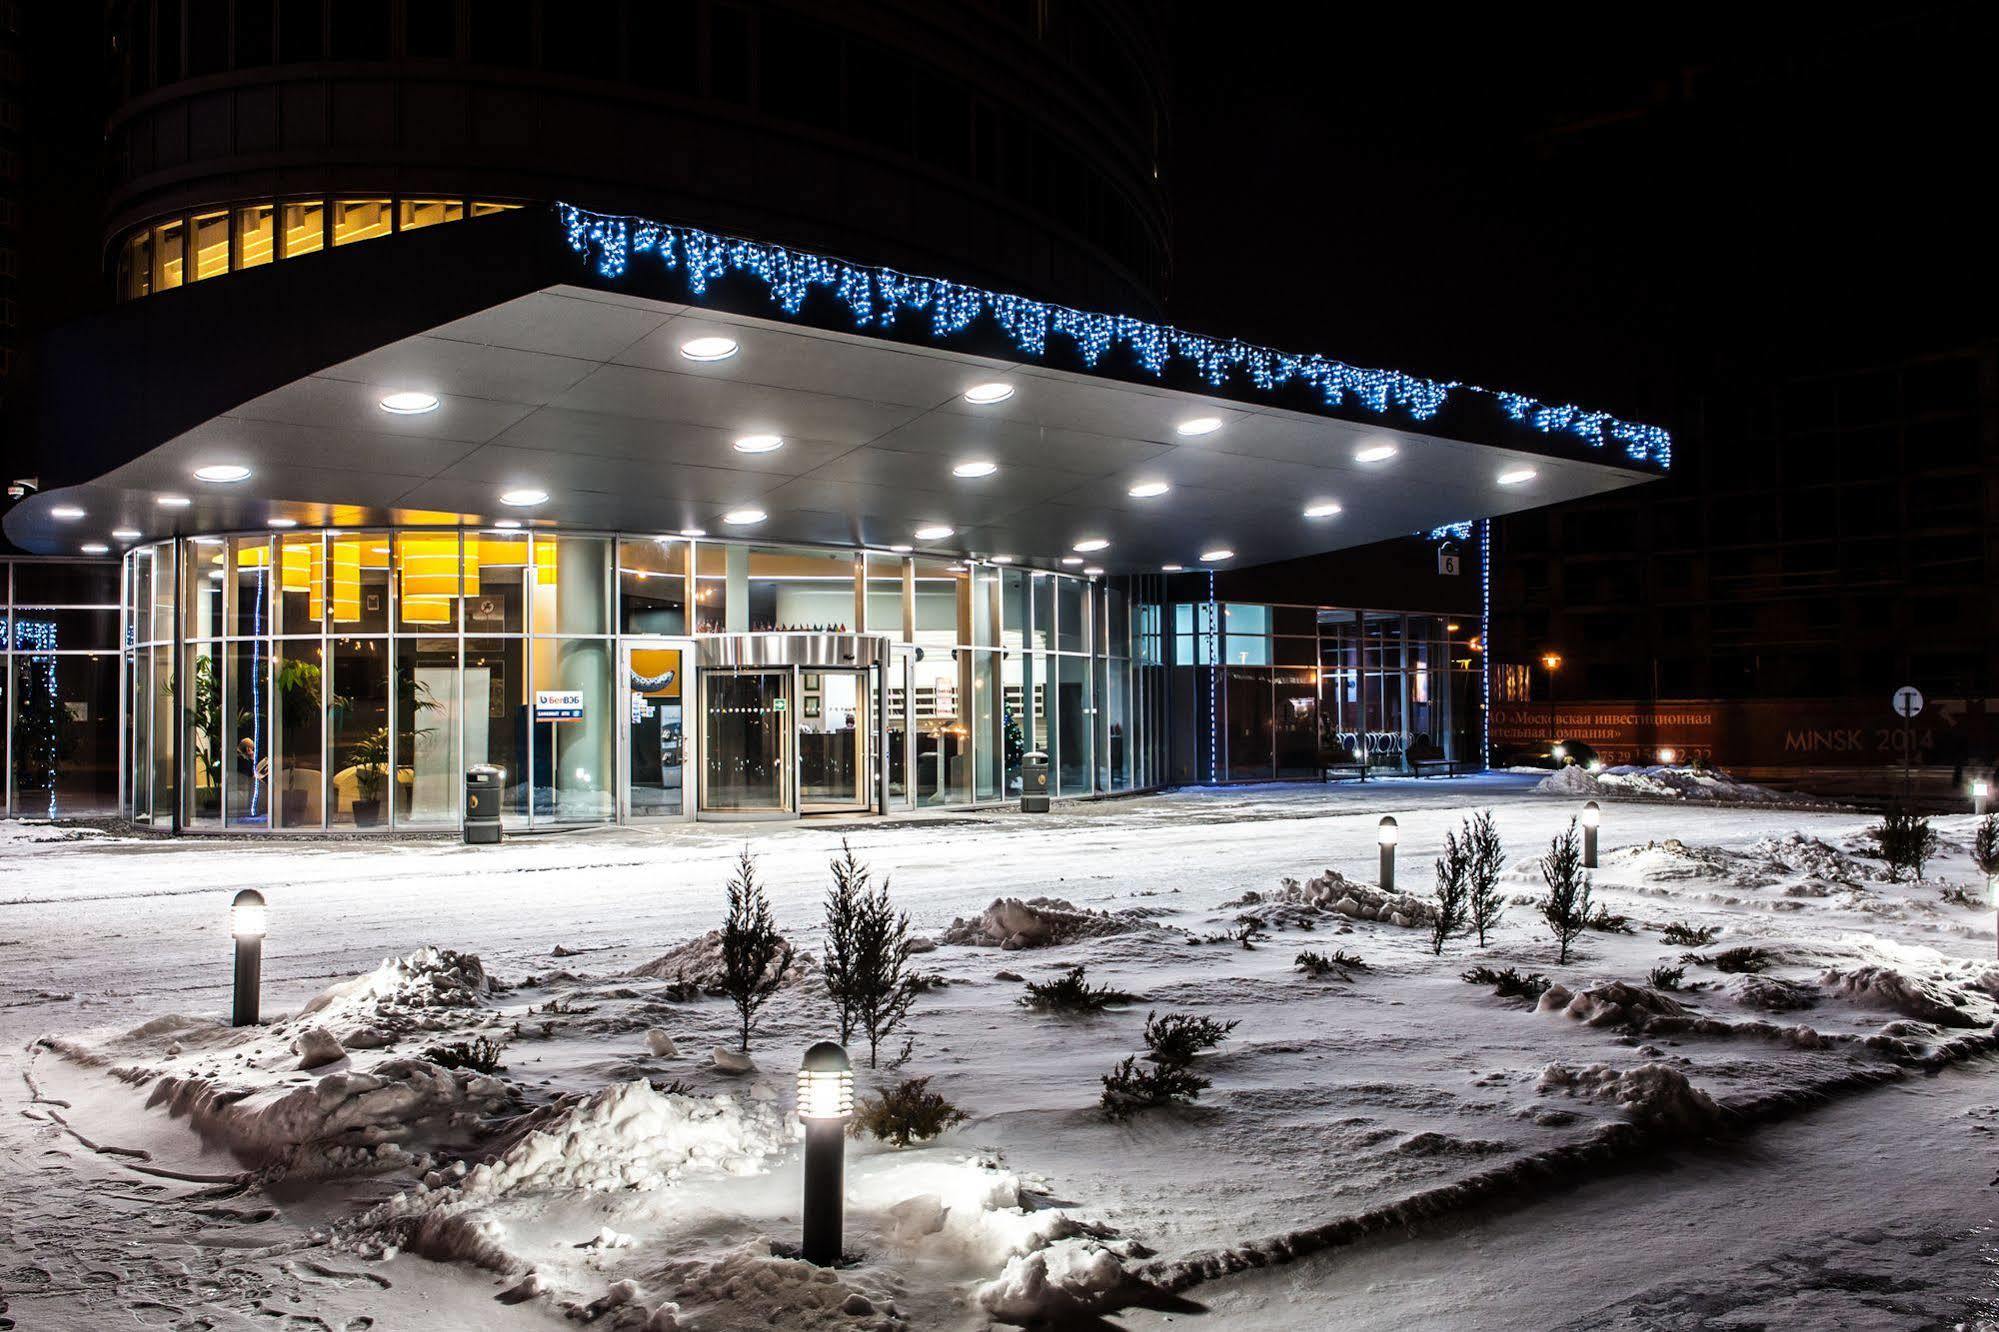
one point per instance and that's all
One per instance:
(879, 297)
(1452, 532)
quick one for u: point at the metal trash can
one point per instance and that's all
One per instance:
(1034, 783)
(482, 804)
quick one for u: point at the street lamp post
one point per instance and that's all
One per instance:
(246, 922)
(1981, 794)
(1552, 662)
(1386, 835)
(825, 1103)
(1592, 815)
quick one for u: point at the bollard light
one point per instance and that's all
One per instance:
(825, 1103)
(1667, 756)
(1981, 793)
(246, 922)
(1592, 816)
(1386, 836)
(1561, 753)
(1596, 765)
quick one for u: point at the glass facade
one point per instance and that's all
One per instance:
(59, 687)
(345, 680)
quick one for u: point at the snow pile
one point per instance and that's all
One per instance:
(1065, 1279)
(1333, 891)
(1661, 782)
(1653, 1095)
(1611, 1004)
(1672, 860)
(1795, 853)
(698, 964)
(1919, 997)
(1038, 922)
(1773, 995)
(748, 1286)
(430, 990)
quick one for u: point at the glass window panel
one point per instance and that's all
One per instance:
(711, 587)
(141, 603)
(885, 596)
(65, 583)
(1013, 721)
(296, 696)
(305, 227)
(801, 589)
(941, 606)
(1099, 723)
(574, 728)
(168, 241)
(1043, 584)
(989, 742)
(1118, 632)
(357, 582)
(1118, 725)
(202, 598)
(652, 586)
(256, 235)
(985, 606)
(1295, 700)
(1069, 622)
(414, 213)
(487, 207)
(427, 588)
(572, 590)
(163, 746)
(211, 244)
(1248, 732)
(1041, 705)
(1013, 609)
(359, 716)
(359, 220)
(1294, 651)
(249, 607)
(139, 777)
(135, 266)
(1074, 725)
(301, 583)
(64, 630)
(427, 727)
(1239, 650)
(1293, 619)
(943, 752)
(207, 752)
(248, 782)
(496, 583)
(65, 734)
(496, 715)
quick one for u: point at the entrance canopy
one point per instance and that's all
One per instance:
(592, 401)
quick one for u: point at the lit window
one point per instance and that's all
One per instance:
(486, 207)
(211, 244)
(359, 220)
(135, 267)
(305, 228)
(167, 259)
(255, 236)
(414, 213)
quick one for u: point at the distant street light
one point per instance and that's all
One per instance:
(1981, 792)
(1386, 835)
(246, 922)
(825, 1103)
(1667, 757)
(1592, 816)
(1552, 662)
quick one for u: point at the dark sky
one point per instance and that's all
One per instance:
(1606, 208)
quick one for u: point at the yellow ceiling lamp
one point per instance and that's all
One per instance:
(301, 569)
(428, 563)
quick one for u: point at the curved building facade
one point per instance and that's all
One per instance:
(1012, 145)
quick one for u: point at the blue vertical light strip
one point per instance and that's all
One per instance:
(1485, 640)
(1214, 678)
(258, 757)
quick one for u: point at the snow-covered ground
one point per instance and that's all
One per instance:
(1772, 1142)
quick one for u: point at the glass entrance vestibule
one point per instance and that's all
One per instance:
(345, 680)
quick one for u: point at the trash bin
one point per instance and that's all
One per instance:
(1034, 783)
(482, 803)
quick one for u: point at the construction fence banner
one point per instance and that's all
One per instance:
(1760, 733)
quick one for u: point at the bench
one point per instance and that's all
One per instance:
(1352, 768)
(1434, 767)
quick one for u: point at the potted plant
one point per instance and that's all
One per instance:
(371, 768)
(298, 705)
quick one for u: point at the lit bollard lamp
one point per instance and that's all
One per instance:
(825, 1103)
(246, 922)
(1386, 837)
(1981, 796)
(1591, 817)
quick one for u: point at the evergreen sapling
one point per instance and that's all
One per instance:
(1488, 858)
(1566, 908)
(754, 955)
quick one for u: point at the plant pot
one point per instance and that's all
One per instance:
(367, 813)
(291, 808)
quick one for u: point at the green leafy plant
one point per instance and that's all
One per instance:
(1609, 922)
(1566, 908)
(1683, 935)
(1072, 993)
(906, 1113)
(481, 1054)
(1132, 1086)
(1508, 984)
(1453, 892)
(1341, 963)
(1178, 1037)
(1667, 978)
(1985, 846)
(1488, 859)
(1906, 841)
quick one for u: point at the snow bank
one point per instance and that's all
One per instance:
(1661, 782)
(1919, 997)
(1796, 853)
(698, 964)
(1038, 922)
(1774, 995)
(1655, 1095)
(1333, 891)
(1065, 1279)
(429, 990)
(1611, 1004)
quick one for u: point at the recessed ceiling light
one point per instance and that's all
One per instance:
(222, 474)
(411, 402)
(1088, 544)
(985, 395)
(215, 575)
(94, 548)
(1199, 425)
(1148, 489)
(526, 497)
(67, 512)
(744, 517)
(1217, 555)
(694, 531)
(1375, 453)
(1072, 560)
(1170, 568)
(209, 541)
(173, 501)
(976, 467)
(759, 443)
(282, 522)
(1322, 510)
(1000, 559)
(1094, 571)
(126, 533)
(902, 550)
(1513, 476)
(715, 348)
(934, 532)
(508, 523)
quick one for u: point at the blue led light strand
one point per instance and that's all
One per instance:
(879, 297)
(1485, 639)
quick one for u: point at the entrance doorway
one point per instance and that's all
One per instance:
(835, 741)
(746, 742)
(658, 738)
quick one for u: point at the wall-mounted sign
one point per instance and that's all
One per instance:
(558, 705)
(1447, 562)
